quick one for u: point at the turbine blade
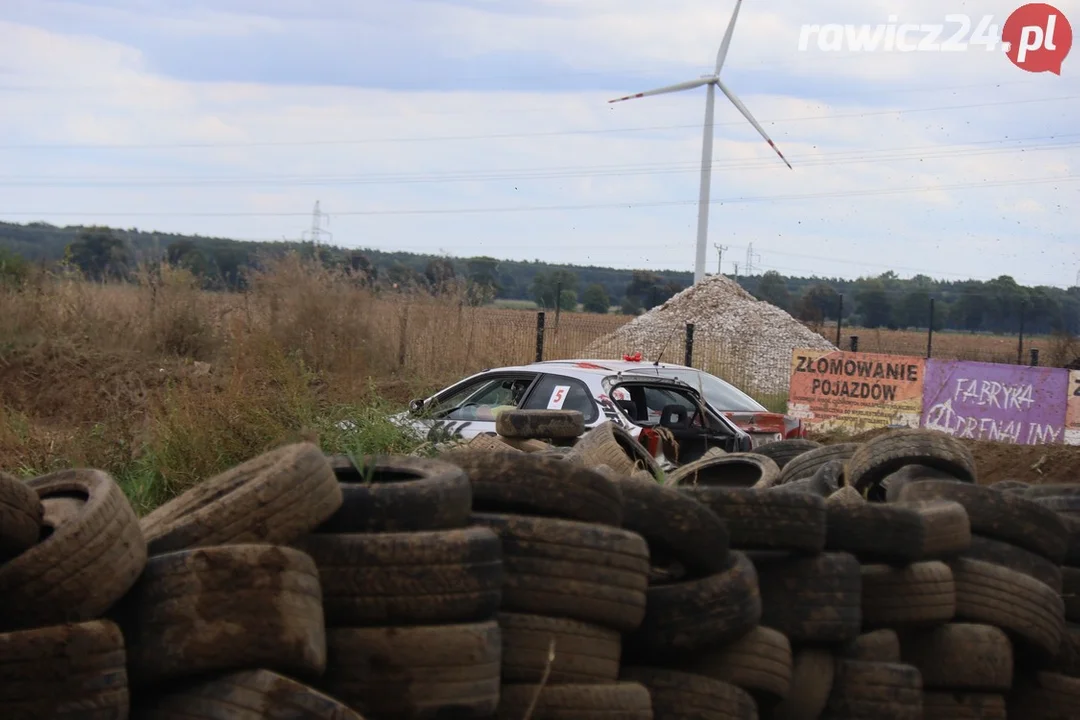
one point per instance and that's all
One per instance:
(722, 54)
(746, 114)
(688, 85)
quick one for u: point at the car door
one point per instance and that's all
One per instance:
(468, 409)
(562, 392)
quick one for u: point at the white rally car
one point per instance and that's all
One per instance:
(640, 404)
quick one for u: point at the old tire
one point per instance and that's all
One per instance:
(244, 695)
(1000, 516)
(916, 595)
(963, 706)
(767, 519)
(807, 463)
(815, 599)
(961, 656)
(531, 424)
(584, 653)
(88, 563)
(420, 672)
(276, 497)
(894, 482)
(685, 696)
(611, 445)
(948, 528)
(735, 470)
(875, 646)
(64, 672)
(399, 494)
(616, 701)
(1016, 559)
(1045, 696)
(20, 516)
(811, 683)
(561, 568)
(784, 451)
(889, 691)
(875, 531)
(759, 662)
(186, 612)
(536, 484)
(423, 578)
(887, 453)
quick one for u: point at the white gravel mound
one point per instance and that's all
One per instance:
(737, 337)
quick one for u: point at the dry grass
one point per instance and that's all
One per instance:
(948, 345)
(163, 384)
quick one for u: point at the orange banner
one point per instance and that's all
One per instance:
(855, 391)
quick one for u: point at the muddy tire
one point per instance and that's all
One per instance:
(66, 672)
(811, 683)
(542, 485)
(886, 454)
(675, 526)
(1029, 610)
(684, 696)
(948, 528)
(961, 656)
(1067, 659)
(807, 463)
(828, 478)
(560, 568)
(917, 595)
(814, 599)
(687, 616)
(846, 496)
(415, 672)
(242, 695)
(20, 516)
(186, 612)
(1000, 516)
(276, 497)
(894, 482)
(1012, 486)
(611, 445)
(875, 531)
(529, 446)
(532, 424)
(759, 662)
(1016, 559)
(424, 578)
(784, 451)
(767, 519)
(584, 653)
(889, 691)
(616, 701)
(1046, 696)
(1070, 592)
(87, 564)
(733, 470)
(876, 646)
(963, 706)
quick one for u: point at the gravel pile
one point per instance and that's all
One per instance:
(731, 328)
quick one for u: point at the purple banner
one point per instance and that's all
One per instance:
(1002, 403)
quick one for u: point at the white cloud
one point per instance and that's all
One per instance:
(842, 142)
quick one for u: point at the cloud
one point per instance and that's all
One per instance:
(276, 106)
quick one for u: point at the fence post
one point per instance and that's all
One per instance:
(930, 332)
(839, 320)
(689, 360)
(539, 337)
(1020, 347)
(403, 340)
(1034, 357)
(854, 343)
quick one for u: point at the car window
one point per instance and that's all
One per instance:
(481, 400)
(721, 395)
(575, 396)
(657, 398)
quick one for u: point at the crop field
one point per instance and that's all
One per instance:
(163, 384)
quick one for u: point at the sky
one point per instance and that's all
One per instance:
(483, 127)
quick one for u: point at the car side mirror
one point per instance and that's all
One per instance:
(415, 406)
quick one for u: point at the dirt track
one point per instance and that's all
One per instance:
(1000, 461)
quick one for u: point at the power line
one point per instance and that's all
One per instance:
(498, 136)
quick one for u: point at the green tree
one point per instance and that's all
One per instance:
(772, 289)
(595, 299)
(650, 289)
(872, 303)
(13, 268)
(99, 254)
(630, 305)
(568, 301)
(483, 276)
(914, 309)
(547, 287)
(440, 275)
(819, 303)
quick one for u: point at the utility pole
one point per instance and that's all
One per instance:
(750, 259)
(719, 257)
(736, 271)
(316, 231)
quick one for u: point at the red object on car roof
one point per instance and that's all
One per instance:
(636, 357)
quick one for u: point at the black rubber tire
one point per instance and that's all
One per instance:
(894, 482)
(276, 497)
(1070, 592)
(961, 657)
(616, 701)
(913, 596)
(244, 695)
(185, 615)
(815, 599)
(1048, 490)
(537, 484)
(963, 706)
(584, 653)
(21, 515)
(85, 566)
(424, 578)
(581, 571)
(1000, 516)
(767, 519)
(1016, 559)
(948, 528)
(759, 662)
(1044, 696)
(675, 526)
(889, 691)
(687, 616)
(730, 470)
(807, 463)
(399, 494)
(874, 646)
(875, 531)
(64, 672)
(885, 454)
(547, 424)
(811, 683)
(784, 451)
(685, 696)
(611, 445)
(1011, 486)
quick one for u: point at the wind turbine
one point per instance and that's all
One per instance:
(711, 82)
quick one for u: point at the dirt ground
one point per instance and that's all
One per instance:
(1034, 464)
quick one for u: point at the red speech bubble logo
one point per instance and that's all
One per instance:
(1037, 38)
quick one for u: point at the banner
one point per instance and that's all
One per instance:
(855, 391)
(1002, 403)
(1072, 409)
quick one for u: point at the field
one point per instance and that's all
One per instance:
(163, 384)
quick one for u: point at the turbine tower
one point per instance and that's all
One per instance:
(711, 82)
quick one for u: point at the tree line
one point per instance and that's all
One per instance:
(884, 301)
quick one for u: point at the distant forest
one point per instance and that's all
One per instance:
(886, 301)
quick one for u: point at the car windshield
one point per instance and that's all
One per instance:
(721, 395)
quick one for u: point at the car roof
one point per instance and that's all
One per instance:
(589, 370)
